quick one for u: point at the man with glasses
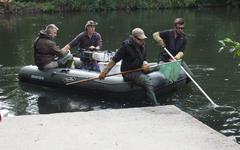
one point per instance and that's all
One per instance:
(173, 39)
(133, 56)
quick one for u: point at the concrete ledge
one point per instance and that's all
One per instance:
(148, 128)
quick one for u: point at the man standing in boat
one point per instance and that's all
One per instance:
(173, 39)
(87, 40)
(47, 54)
(133, 56)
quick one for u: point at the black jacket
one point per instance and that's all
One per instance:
(132, 56)
(174, 45)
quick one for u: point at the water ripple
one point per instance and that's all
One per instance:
(209, 69)
(3, 97)
(233, 119)
(1, 91)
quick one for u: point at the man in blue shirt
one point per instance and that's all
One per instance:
(173, 39)
(87, 40)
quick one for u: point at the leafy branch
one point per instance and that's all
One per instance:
(230, 45)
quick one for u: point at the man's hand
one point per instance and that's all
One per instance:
(158, 39)
(146, 68)
(161, 43)
(105, 71)
(179, 55)
(92, 47)
(66, 48)
(102, 75)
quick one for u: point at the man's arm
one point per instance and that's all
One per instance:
(73, 43)
(99, 42)
(66, 47)
(180, 54)
(56, 50)
(158, 39)
(107, 69)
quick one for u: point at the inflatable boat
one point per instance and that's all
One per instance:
(112, 85)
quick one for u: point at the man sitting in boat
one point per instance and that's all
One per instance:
(47, 54)
(87, 42)
(133, 56)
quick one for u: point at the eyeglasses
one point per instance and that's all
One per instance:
(92, 26)
(138, 38)
(180, 28)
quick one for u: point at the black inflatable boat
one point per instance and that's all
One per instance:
(114, 85)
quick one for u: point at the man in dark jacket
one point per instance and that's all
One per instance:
(46, 52)
(173, 39)
(133, 56)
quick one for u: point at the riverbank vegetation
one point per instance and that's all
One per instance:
(231, 46)
(51, 6)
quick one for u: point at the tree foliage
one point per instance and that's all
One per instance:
(114, 4)
(231, 46)
(79, 5)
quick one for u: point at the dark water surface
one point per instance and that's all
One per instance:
(217, 73)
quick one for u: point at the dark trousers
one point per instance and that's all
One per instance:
(144, 81)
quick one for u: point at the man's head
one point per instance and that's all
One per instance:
(138, 36)
(90, 26)
(51, 30)
(179, 25)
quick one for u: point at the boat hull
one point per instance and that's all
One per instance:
(111, 86)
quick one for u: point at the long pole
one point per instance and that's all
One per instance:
(95, 78)
(204, 93)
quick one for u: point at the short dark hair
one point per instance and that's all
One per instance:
(179, 21)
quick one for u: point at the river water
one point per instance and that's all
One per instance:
(217, 73)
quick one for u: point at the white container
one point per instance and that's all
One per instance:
(103, 56)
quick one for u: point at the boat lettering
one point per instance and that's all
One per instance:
(37, 77)
(69, 79)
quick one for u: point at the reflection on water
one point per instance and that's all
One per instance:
(23, 99)
(52, 100)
